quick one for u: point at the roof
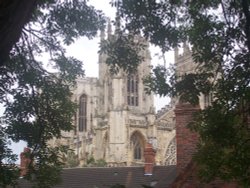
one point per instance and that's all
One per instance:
(131, 177)
(189, 178)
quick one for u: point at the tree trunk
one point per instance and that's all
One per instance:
(14, 14)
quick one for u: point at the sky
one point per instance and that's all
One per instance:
(87, 51)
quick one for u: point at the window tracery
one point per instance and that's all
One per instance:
(137, 146)
(170, 157)
(132, 90)
(83, 113)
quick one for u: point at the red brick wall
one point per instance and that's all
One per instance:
(186, 146)
(149, 156)
(188, 178)
(25, 161)
(185, 139)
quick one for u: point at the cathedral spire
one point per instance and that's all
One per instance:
(109, 30)
(102, 34)
(117, 22)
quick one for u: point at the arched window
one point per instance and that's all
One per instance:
(132, 90)
(137, 151)
(137, 145)
(83, 113)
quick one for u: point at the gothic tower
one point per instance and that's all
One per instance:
(126, 108)
(185, 64)
(116, 118)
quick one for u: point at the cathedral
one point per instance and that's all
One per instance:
(116, 118)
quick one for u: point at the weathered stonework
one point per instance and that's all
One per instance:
(111, 122)
(116, 131)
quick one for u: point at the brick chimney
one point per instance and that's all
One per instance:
(25, 161)
(185, 139)
(149, 156)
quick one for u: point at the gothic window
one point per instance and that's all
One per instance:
(83, 113)
(132, 90)
(137, 146)
(137, 150)
(170, 158)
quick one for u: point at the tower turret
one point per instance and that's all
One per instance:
(109, 30)
(102, 34)
(117, 23)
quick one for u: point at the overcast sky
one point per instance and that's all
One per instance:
(87, 51)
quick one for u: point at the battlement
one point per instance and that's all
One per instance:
(163, 110)
(90, 80)
(181, 55)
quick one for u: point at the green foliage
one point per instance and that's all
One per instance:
(157, 81)
(101, 163)
(154, 19)
(91, 162)
(219, 35)
(37, 101)
(225, 136)
(123, 52)
(71, 160)
(9, 171)
(48, 161)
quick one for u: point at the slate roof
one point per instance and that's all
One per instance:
(131, 177)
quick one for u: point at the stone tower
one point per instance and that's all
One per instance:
(116, 118)
(185, 64)
(125, 105)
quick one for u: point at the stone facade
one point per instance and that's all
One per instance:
(184, 64)
(120, 118)
(116, 118)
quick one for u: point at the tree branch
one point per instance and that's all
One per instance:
(14, 15)
(245, 8)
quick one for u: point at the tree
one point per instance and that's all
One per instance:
(218, 32)
(38, 102)
(10, 172)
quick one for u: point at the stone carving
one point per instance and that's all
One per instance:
(163, 124)
(137, 123)
(171, 153)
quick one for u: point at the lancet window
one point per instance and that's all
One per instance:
(137, 146)
(83, 113)
(132, 90)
